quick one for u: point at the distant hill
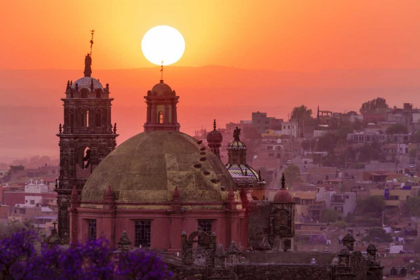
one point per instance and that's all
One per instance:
(31, 109)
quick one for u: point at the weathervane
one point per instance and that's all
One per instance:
(161, 72)
(91, 41)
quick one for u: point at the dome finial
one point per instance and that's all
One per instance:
(161, 72)
(214, 124)
(283, 182)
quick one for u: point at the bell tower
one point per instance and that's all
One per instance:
(86, 137)
(161, 109)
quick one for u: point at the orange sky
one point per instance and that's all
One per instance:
(279, 35)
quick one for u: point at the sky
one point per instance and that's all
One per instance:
(302, 36)
(241, 56)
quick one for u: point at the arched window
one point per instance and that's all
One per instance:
(87, 118)
(160, 118)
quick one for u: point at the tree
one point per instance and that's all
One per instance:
(370, 152)
(344, 130)
(372, 204)
(413, 204)
(329, 216)
(292, 174)
(397, 129)
(92, 260)
(327, 142)
(374, 106)
(301, 114)
(378, 234)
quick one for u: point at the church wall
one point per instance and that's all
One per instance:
(166, 229)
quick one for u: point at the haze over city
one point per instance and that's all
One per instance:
(253, 56)
(210, 140)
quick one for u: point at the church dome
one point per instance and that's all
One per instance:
(283, 196)
(161, 89)
(148, 167)
(86, 82)
(237, 145)
(214, 136)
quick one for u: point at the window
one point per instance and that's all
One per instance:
(205, 225)
(98, 93)
(91, 229)
(160, 117)
(142, 233)
(32, 201)
(22, 211)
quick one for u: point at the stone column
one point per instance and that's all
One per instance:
(148, 112)
(174, 114)
(154, 114)
(166, 117)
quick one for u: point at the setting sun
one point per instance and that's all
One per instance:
(163, 45)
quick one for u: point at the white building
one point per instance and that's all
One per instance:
(290, 128)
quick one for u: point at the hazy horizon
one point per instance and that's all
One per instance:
(31, 98)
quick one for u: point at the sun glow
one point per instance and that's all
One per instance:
(163, 44)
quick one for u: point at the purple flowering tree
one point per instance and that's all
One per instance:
(92, 260)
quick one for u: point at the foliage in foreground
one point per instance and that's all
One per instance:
(92, 260)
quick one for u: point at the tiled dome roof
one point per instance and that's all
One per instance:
(148, 167)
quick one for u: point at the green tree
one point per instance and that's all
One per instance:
(372, 204)
(397, 129)
(376, 105)
(292, 174)
(378, 234)
(301, 114)
(413, 204)
(329, 216)
(327, 142)
(371, 152)
(344, 130)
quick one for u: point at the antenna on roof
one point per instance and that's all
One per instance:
(91, 41)
(161, 72)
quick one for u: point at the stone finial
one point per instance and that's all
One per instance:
(74, 192)
(233, 249)
(283, 181)
(124, 243)
(115, 128)
(175, 195)
(214, 125)
(348, 241)
(264, 245)
(109, 195)
(344, 257)
(60, 129)
(371, 255)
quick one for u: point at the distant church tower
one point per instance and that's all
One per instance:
(86, 137)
